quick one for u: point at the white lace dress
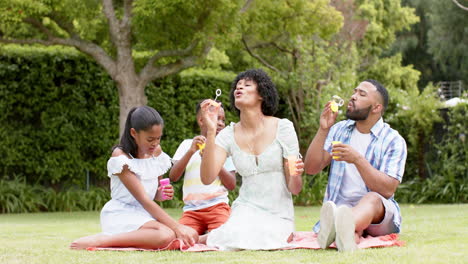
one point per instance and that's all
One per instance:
(262, 216)
(123, 213)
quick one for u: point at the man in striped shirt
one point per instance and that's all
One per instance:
(367, 160)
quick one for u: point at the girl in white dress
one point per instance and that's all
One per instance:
(262, 216)
(132, 218)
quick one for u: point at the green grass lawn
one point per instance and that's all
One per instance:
(433, 233)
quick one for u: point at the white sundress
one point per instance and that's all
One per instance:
(262, 216)
(123, 213)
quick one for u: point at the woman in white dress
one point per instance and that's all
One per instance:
(132, 218)
(262, 216)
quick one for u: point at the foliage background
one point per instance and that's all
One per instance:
(60, 109)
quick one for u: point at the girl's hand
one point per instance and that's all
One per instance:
(187, 234)
(165, 193)
(210, 114)
(328, 117)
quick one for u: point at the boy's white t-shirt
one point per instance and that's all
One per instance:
(196, 195)
(353, 187)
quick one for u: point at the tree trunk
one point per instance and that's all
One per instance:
(131, 94)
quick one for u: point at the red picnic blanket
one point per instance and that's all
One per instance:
(301, 240)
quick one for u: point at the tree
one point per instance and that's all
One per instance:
(319, 48)
(291, 48)
(460, 5)
(437, 46)
(171, 35)
(448, 39)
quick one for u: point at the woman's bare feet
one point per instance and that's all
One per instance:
(88, 241)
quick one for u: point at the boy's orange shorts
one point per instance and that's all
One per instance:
(207, 219)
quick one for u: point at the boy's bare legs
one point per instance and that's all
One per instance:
(151, 235)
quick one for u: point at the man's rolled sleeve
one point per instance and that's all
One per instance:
(394, 159)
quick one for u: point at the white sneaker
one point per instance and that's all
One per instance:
(345, 229)
(326, 235)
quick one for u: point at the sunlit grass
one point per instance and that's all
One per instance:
(433, 233)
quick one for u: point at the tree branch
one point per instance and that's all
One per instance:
(152, 72)
(27, 41)
(125, 24)
(282, 49)
(146, 72)
(127, 11)
(91, 49)
(460, 5)
(246, 6)
(168, 69)
(109, 12)
(37, 24)
(260, 59)
(65, 25)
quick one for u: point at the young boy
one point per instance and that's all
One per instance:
(206, 206)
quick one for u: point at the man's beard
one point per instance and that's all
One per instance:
(358, 114)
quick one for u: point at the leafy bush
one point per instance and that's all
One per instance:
(58, 111)
(313, 189)
(16, 196)
(448, 175)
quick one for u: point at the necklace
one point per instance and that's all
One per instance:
(251, 147)
(253, 138)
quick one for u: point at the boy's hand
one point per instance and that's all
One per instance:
(197, 143)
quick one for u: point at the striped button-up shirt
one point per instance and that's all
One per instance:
(386, 152)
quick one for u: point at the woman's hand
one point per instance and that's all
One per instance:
(165, 192)
(210, 114)
(299, 167)
(294, 174)
(187, 234)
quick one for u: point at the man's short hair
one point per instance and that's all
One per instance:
(381, 90)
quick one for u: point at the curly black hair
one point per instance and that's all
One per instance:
(265, 87)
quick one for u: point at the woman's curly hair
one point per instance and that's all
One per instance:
(265, 87)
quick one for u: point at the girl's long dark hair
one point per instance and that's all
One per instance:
(139, 118)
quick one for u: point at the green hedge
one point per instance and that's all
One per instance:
(60, 114)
